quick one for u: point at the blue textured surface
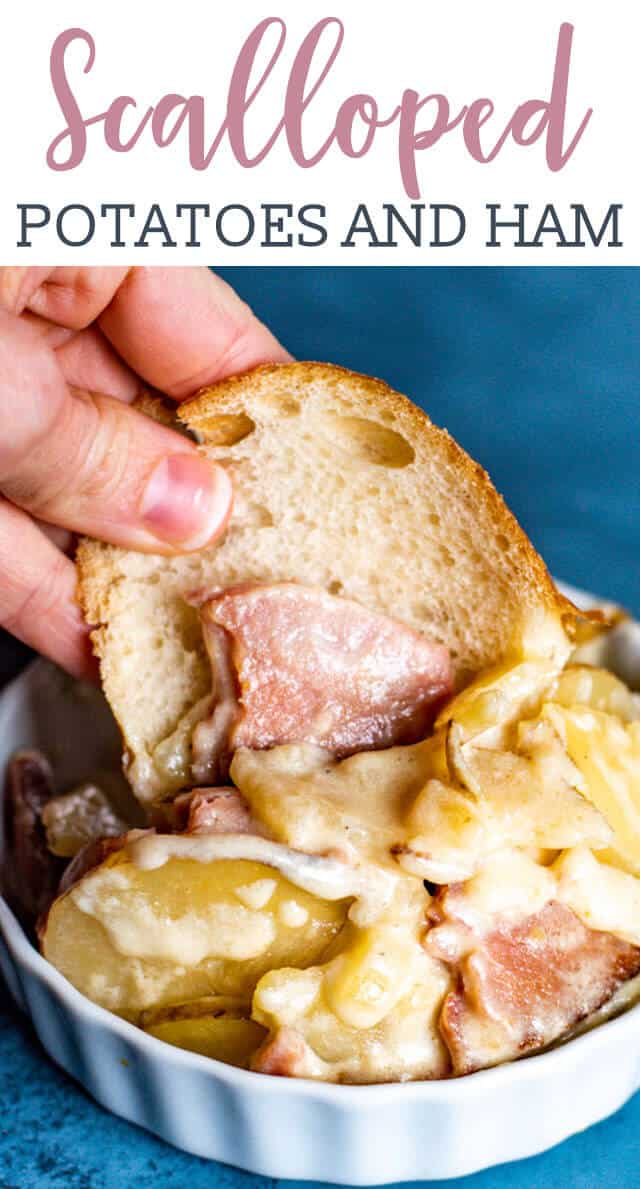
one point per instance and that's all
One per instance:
(537, 373)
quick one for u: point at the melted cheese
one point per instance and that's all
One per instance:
(256, 894)
(515, 886)
(223, 930)
(512, 887)
(327, 878)
(603, 896)
(293, 915)
(370, 1012)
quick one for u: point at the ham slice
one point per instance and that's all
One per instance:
(521, 985)
(218, 811)
(309, 667)
(283, 1055)
(204, 811)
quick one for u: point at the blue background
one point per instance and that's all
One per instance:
(537, 373)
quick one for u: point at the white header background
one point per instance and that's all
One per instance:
(468, 50)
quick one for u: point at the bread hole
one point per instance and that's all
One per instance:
(280, 403)
(446, 557)
(503, 542)
(289, 407)
(226, 429)
(335, 587)
(260, 517)
(434, 519)
(372, 442)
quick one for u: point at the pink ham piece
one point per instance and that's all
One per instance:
(522, 986)
(282, 1055)
(310, 667)
(218, 811)
(204, 811)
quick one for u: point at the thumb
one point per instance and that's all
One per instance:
(92, 464)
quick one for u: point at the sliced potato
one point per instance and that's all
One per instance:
(131, 939)
(79, 817)
(447, 834)
(582, 685)
(607, 753)
(528, 798)
(485, 713)
(603, 896)
(216, 1026)
(498, 698)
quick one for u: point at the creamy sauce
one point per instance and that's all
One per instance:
(355, 808)
(256, 894)
(293, 915)
(370, 1012)
(324, 877)
(604, 897)
(223, 931)
(515, 886)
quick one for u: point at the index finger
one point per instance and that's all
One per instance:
(182, 328)
(178, 328)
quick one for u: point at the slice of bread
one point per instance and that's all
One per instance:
(339, 482)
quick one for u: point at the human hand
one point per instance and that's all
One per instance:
(77, 345)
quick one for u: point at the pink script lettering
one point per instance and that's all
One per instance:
(419, 122)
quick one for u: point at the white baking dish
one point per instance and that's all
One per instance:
(360, 1135)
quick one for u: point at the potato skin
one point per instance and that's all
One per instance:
(91, 855)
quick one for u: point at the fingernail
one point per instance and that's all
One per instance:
(186, 501)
